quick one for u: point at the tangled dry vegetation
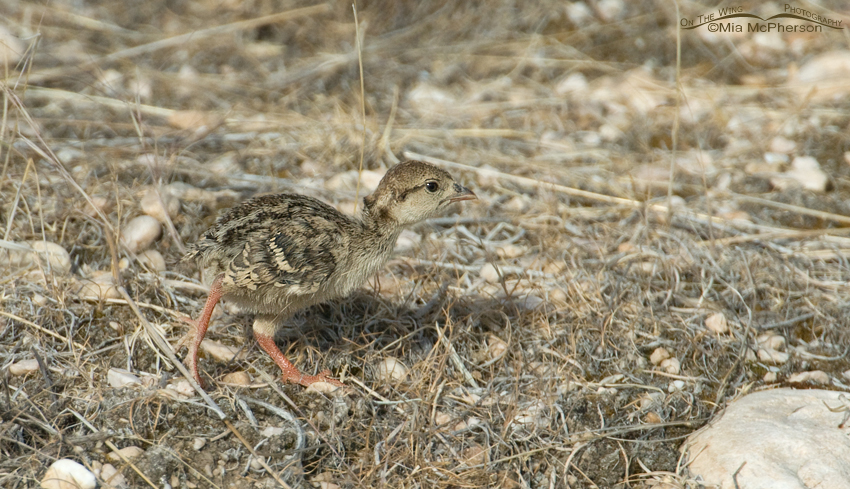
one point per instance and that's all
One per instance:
(568, 330)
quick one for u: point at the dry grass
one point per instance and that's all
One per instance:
(541, 378)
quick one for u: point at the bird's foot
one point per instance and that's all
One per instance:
(189, 340)
(297, 377)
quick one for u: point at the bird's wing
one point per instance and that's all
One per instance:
(298, 254)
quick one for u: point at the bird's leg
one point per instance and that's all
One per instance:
(196, 335)
(264, 329)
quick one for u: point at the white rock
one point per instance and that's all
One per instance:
(237, 378)
(391, 369)
(576, 82)
(533, 414)
(716, 323)
(37, 253)
(815, 377)
(671, 366)
(160, 204)
(807, 172)
(496, 347)
(767, 355)
(68, 474)
(198, 443)
(782, 145)
(579, 13)
(23, 367)
(100, 286)
(557, 295)
(130, 452)
(775, 159)
(220, 351)
(510, 251)
(659, 355)
(771, 341)
(489, 273)
(181, 387)
(152, 260)
(774, 439)
(140, 233)
(112, 477)
(118, 377)
(846, 374)
(322, 388)
(270, 431)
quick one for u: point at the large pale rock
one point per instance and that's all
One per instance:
(140, 233)
(36, 253)
(68, 474)
(776, 439)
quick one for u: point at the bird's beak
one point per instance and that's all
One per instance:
(461, 193)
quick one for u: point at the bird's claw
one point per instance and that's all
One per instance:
(307, 380)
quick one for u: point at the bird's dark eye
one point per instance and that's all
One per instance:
(432, 186)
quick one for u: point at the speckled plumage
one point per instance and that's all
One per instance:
(276, 254)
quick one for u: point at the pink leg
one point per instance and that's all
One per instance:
(196, 336)
(290, 372)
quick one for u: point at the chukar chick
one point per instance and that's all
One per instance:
(276, 254)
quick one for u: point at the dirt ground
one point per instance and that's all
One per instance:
(653, 236)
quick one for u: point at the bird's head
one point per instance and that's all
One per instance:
(413, 191)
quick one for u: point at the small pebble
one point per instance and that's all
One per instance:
(557, 295)
(671, 366)
(118, 377)
(219, 351)
(806, 171)
(814, 377)
(23, 367)
(782, 145)
(716, 323)
(510, 251)
(475, 455)
(66, 474)
(130, 452)
(496, 347)
(112, 477)
(140, 233)
(489, 274)
(237, 378)
(768, 355)
(152, 260)
(391, 369)
(322, 387)
(99, 287)
(532, 414)
(770, 377)
(102, 204)
(181, 387)
(45, 253)
(199, 443)
(270, 431)
(555, 267)
(161, 205)
(659, 355)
